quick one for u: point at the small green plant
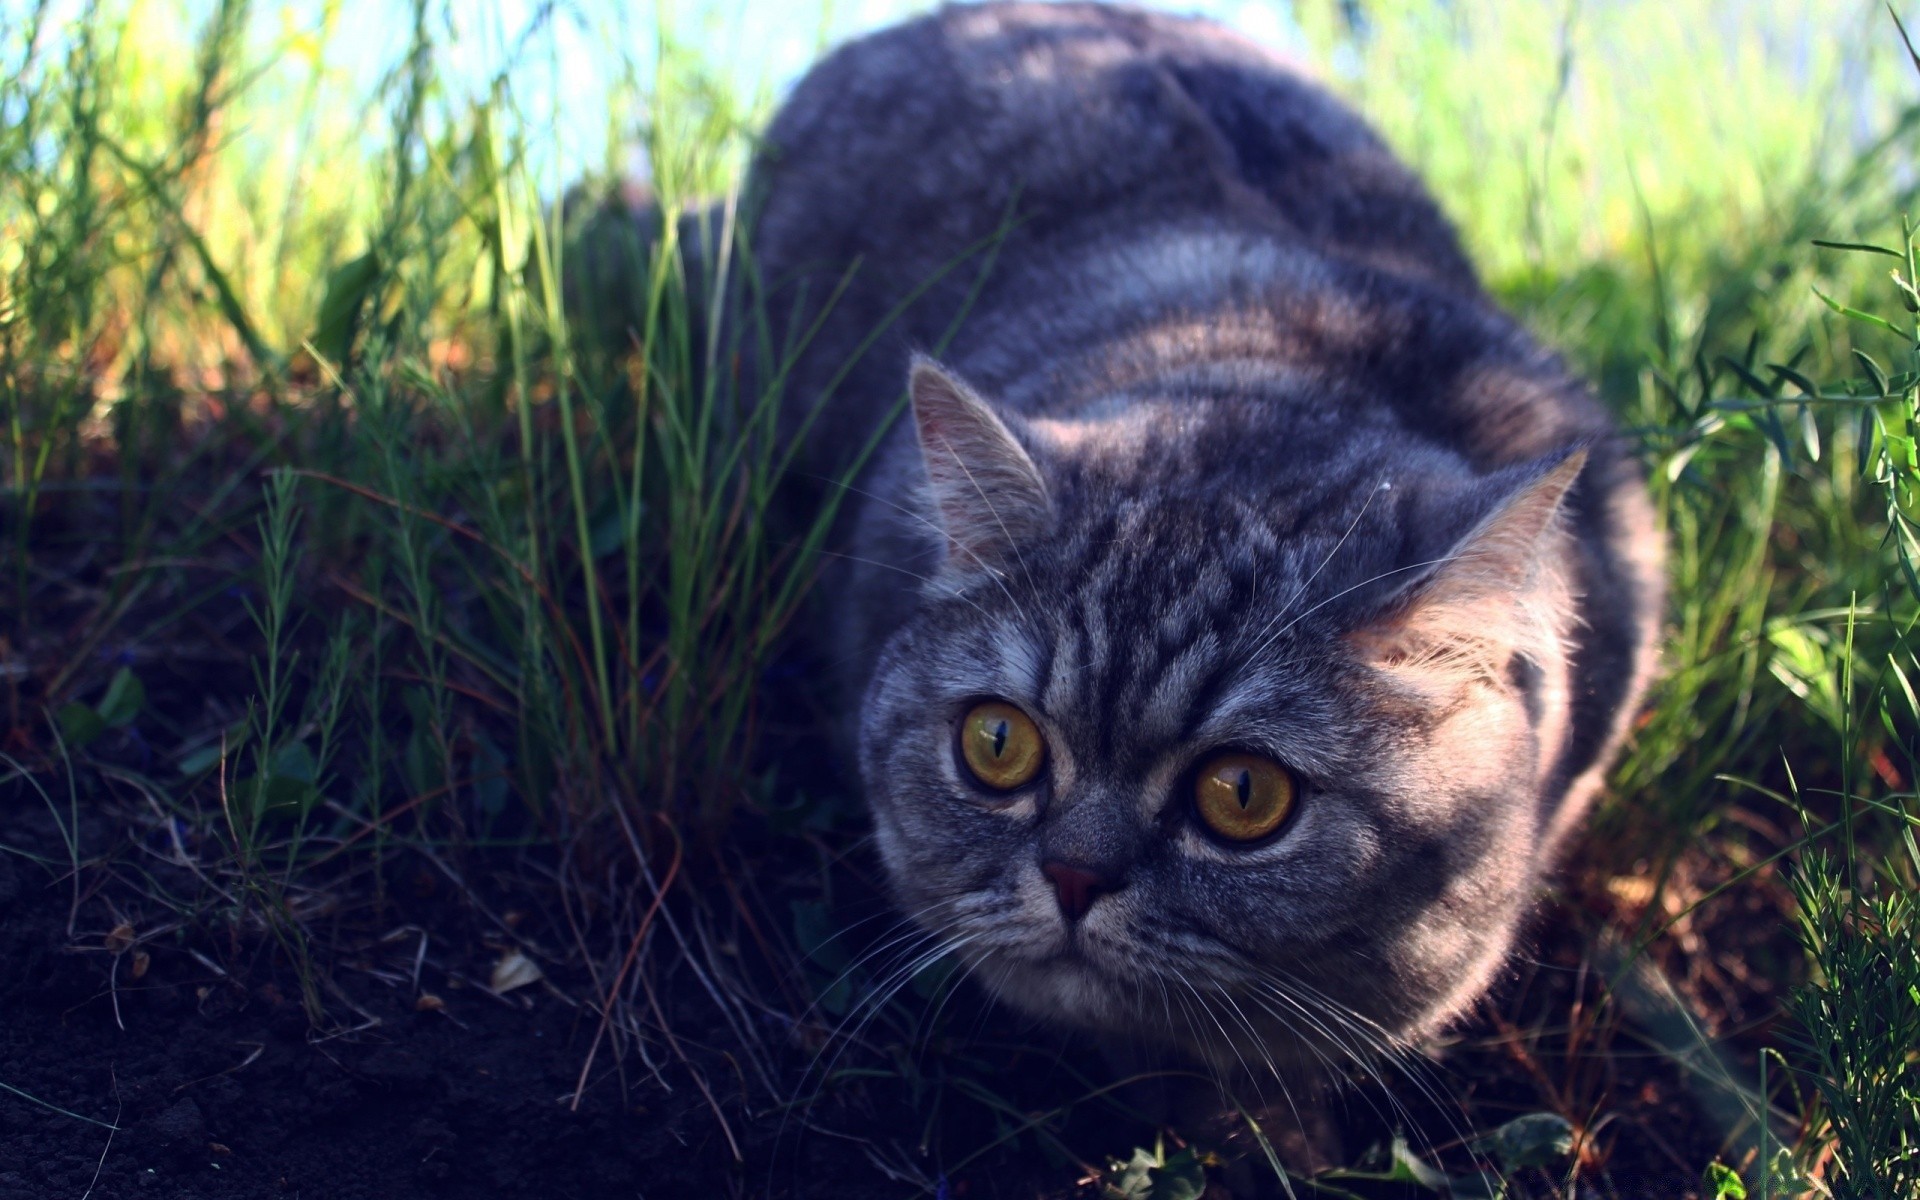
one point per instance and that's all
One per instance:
(124, 698)
(1157, 1175)
(1721, 1182)
(1858, 1015)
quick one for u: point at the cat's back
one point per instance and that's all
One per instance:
(905, 149)
(1079, 205)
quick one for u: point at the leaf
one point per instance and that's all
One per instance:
(1809, 433)
(1913, 55)
(1768, 421)
(1909, 298)
(1152, 1175)
(1409, 1167)
(1180, 1178)
(1857, 315)
(420, 762)
(814, 934)
(1677, 465)
(1795, 378)
(1805, 663)
(1873, 369)
(819, 945)
(208, 756)
(200, 760)
(1759, 386)
(125, 697)
(278, 795)
(488, 768)
(1133, 1179)
(1539, 1139)
(294, 761)
(514, 970)
(79, 724)
(1861, 247)
(348, 286)
(1721, 1182)
(1478, 1185)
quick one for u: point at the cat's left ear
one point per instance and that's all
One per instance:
(1500, 590)
(988, 496)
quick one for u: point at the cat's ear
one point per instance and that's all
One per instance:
(988, 497)
(1500, 590)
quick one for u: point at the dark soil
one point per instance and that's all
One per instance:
(218, 1085)
(221, 1088)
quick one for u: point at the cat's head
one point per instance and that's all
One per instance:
(1226, 743)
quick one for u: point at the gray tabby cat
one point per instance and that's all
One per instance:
(1249, 610)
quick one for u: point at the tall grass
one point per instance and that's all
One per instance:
(333, 539)
(1859, 913)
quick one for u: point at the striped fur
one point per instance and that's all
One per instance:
(1254, 463)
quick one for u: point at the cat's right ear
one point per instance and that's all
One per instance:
(988, 497)
(1501, 590)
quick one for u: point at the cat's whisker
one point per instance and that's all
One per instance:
(1327, 1064)
(1359, 1023)
(1253, 1035)
(848, 929)
(1325, 559)
(1194, 1032)
(910, 933)
(833, 1040)
(949, 988)
(1282, 631)
(1359, 1045)
(1384, 1050)
(1226, 1094)
(841, 1038)
(907, 975)
(1006, 973)
(1225, 1037)
(877, 498)
(1166, 1005)
(1284, 995)
(1397, 1115)
(928, 580)
(894, 954)
(907, 934)
(1333, 1071)
(1012, 543)
(875, 1002)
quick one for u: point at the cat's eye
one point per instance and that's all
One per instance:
(1001, 745)
(1242, 797)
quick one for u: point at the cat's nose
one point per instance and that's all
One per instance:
(1076, 886)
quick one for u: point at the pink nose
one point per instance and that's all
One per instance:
(1075, 886)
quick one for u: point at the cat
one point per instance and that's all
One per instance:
(1244, 612)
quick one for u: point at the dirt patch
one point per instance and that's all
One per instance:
(220, 1087)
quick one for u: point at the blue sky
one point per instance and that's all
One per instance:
(762, 42)
(565, 77)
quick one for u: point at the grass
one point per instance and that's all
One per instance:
(335, 548)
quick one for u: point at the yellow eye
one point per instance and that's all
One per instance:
(1001, 745)
(1243, 797)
